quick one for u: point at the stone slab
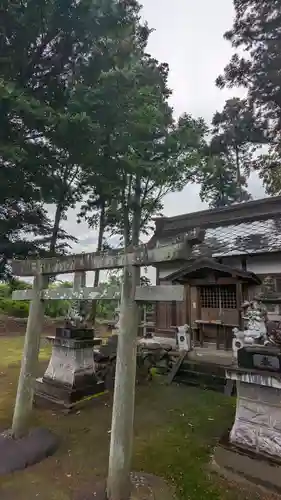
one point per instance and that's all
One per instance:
(69, 393)
(52, 396)
(75, 333)
(47, 402)
(247, 466)
(17, 454)
(71, 343)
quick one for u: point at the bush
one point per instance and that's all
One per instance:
(56, 308)
(4, 290)
(17, 309)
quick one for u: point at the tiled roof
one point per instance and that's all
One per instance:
(204, 263)
(237, 239)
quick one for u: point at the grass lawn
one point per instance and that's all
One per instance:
(176, 429)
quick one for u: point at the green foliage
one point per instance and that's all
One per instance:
(224, 175)
(256, 65)
(50, 51)
(235, 134)
(4, 291)
(269, 167)
(145, 153)
(256, 30)
(106, 308)
(80, 70)
(15, 308)
(20, 309)
(218, 179)
(58, 308)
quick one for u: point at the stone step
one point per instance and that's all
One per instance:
(201, 384)
(196, 374)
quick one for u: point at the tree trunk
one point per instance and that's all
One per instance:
(54, 237)
(136, 213)
(99, 248)
(118, 482)
(24, 399)
(238, 172)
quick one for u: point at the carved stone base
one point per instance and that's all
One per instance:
(257, 425)
(49, 395)
(71, 361)
(70, 377)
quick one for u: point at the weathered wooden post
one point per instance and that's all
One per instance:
(118, 484)
(24, 398)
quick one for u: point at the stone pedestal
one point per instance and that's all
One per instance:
(257, 425)
(70, 378)
(252, 449)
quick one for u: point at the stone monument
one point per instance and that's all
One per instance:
(255, 319)
(257, 424)
(70, 378)
(252, 449)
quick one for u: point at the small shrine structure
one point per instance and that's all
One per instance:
(235, 256)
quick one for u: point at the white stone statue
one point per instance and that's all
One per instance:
(255, 316)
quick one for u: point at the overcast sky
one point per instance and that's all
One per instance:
(189, 37)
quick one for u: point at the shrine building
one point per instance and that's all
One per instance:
(233, 254)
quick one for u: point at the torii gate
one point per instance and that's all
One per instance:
(118, 484)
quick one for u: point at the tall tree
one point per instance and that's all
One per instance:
(21, 211)
(167, 165)
(235, 136)
(218, 180)
(144, 153)
(47, 48)
(256, 67)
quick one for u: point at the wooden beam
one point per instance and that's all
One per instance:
(164, 293)
(87, 293)
(218, 281)
(116, 259)
(239, 299)
(161, 293)
(24, 295)
(176, 367)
